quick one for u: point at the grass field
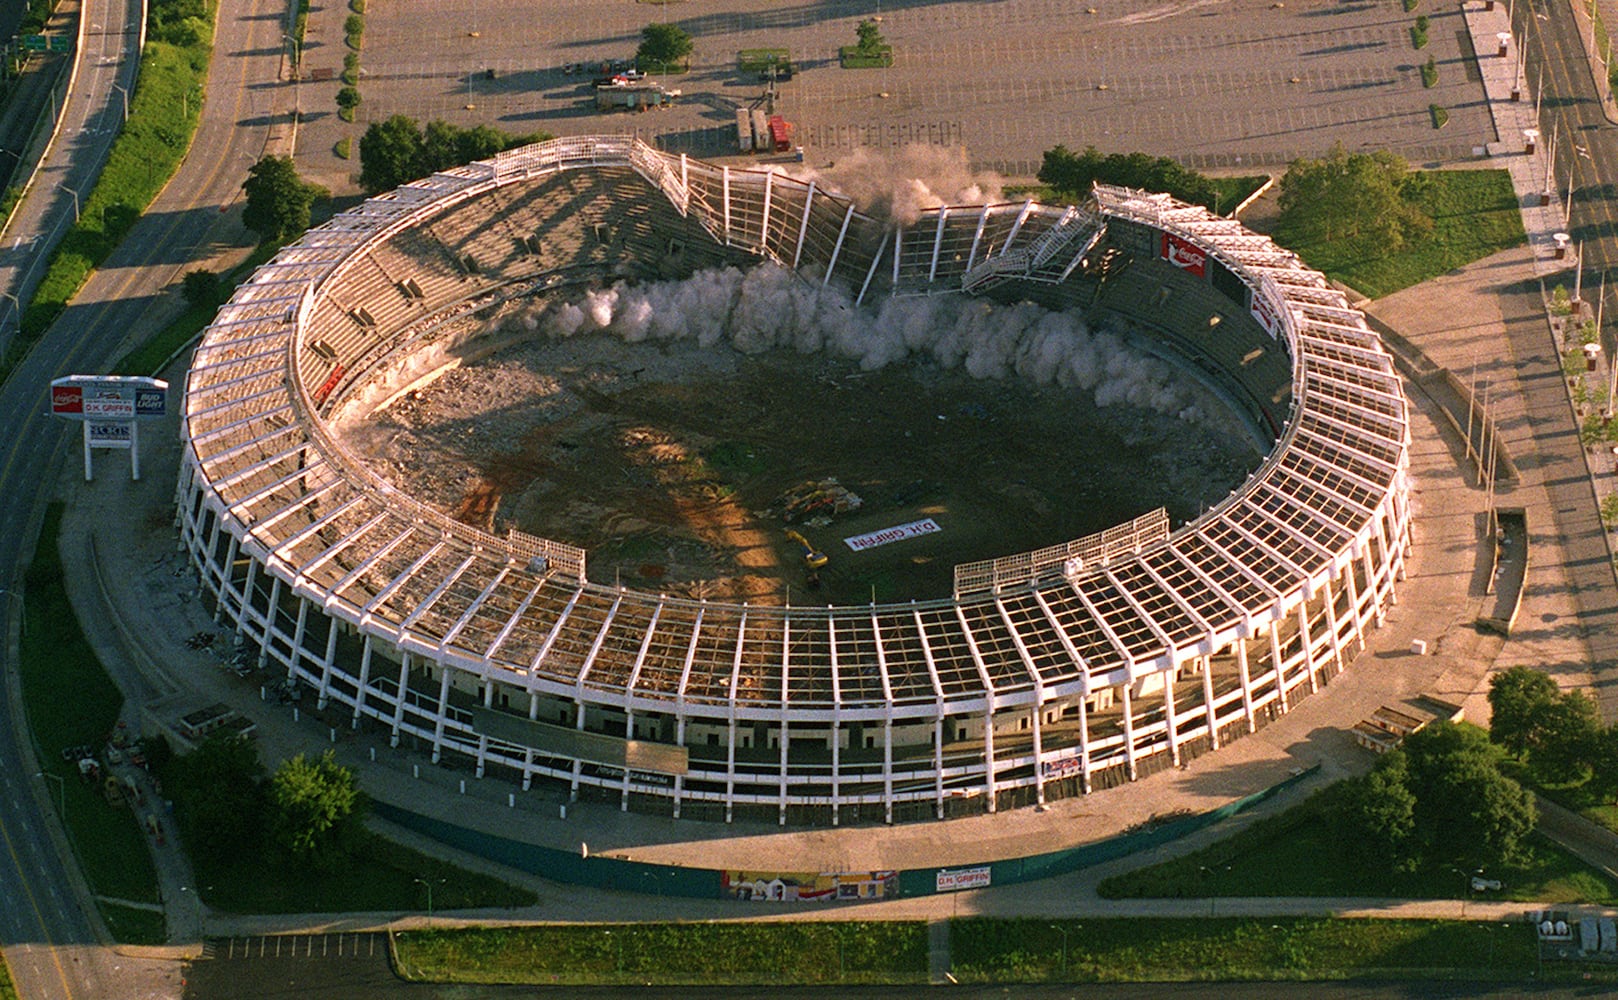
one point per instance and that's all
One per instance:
(133, 925)
(1301, 853)
(71, 701)
(1302, 948)
(7, 990)
(381, 875)
(1474, 214)
(808, 953)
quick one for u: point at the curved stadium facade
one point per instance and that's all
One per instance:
(1047, 674)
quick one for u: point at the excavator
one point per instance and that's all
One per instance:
(813, 558)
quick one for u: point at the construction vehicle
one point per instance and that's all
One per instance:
(759, 129)
(813, 558)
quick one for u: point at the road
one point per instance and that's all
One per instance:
(1586, 163)
(48, 937)
(109, 32)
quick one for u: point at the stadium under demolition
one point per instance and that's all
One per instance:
(435, 615)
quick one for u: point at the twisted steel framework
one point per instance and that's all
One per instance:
(499, 649)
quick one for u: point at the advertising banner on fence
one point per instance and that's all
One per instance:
(810, 887)
(1184, 255)
(963, 878)
(897, 533)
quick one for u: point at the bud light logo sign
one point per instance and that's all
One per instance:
(67, 399)
(1183, 255)
(150, 402)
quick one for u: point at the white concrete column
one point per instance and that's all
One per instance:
(887, 766)
(1208, 702)
(938, 764)
(1275, 658)
(1039, 744)
(988, 756)
(679, 779)
(404, 689)
(442, 713)
(1354, 609)
(785, 746)
(298, 632)
(1307, 643)
(328, 662)
(1246, 675)
(1084, 742)
(364, 681)
(1168, 717)
(1129, 727)
(270, 616)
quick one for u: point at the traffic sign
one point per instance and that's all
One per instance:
(60, 43)
(34, 43)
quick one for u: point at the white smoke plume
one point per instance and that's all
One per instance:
(903, 183)
(768, 308)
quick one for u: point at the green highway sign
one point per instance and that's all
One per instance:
(34, 43)
(60, 43)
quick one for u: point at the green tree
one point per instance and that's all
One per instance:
(663, 45)
(278, 200)
(390, 154)
(1466, 810)
(1604, 765)
(1382, 810)
(1568, 739)
(1363, 202)
(219, 794)
(348, 98)
(1518, 700)
(315, 806)
(1072, 174)
(200, 288)
(870, 38)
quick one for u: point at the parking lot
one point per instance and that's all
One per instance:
(1216, 83)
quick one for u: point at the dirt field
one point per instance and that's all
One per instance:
(669, 462)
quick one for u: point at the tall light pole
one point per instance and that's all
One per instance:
(61, 791)
(1058, 928)
(429, 884)
(125, 95)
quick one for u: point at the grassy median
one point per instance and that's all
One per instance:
(71, 701)
(711, 954)
(1278, 948)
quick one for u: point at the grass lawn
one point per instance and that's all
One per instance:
(760, 60)
(381, 875)
(1474, 214)
(851, 57)
(71, 701)
(1152, 949)
(1300, 853)
(806, 953)
(133, 925)
(7, 991)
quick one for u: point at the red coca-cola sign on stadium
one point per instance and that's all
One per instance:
(1186, 256)
(67, 399)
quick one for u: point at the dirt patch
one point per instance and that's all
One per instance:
(669, 463)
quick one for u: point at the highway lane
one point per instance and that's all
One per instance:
(1586, 163)
(49, 938)
(109, 33)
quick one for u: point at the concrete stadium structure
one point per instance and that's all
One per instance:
(1048, 674)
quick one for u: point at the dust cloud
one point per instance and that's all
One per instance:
(768, 308)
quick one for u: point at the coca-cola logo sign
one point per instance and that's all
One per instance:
(67, 399)
(1186, 256)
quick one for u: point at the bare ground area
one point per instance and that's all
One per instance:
(668, 462)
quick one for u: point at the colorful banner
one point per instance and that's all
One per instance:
(810, 887)
(1184, 255)
(1265, 315)
(898, 533)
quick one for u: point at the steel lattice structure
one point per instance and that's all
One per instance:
(499, 649)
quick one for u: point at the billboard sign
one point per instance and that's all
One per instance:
(1265, 314)
(109, 397)
(1185, 255)
(110, 435)
(897, 533)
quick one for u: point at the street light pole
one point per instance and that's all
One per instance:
(1058, 928)
(429, 884)
(61, 791)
